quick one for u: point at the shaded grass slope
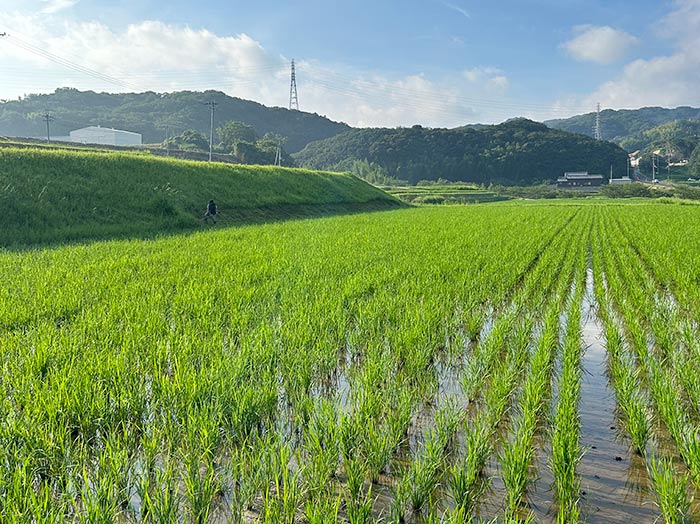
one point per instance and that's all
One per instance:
(56, 196)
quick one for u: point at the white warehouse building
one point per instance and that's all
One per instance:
(105, 136)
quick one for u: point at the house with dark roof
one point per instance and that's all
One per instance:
(579, 180)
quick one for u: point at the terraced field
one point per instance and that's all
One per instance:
(516, 363)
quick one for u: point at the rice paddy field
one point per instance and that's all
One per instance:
(497, 363)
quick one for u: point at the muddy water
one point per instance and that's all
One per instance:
(614, 483)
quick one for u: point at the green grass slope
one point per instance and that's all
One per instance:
(55, 196)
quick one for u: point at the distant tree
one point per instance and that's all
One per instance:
(190, 140)
(272, 140)
(233, 132)
(249, 153)
(694, 163)
(374, 174)
(263, 151)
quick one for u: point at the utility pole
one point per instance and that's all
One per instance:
(278, 154)
(293, 98)
(48, 119)
(211, 105)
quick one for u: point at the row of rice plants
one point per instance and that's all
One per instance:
(518, 450)
(564, 434)
(624, 375)
(632, 293)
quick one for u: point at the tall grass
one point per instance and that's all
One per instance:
(50, 195)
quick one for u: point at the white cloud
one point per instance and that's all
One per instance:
(599, 44)
(670, 80)
(492, 79)
(152, 55)
(458, 9)
(54, 6)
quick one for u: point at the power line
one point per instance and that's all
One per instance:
(596, 128)
(18, 42)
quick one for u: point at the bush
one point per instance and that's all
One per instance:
(429, 199)
(633, 190)
(687, 192)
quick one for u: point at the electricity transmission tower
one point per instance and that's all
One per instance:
(293, 98)
(48, 119)
(596, 128)
(211, 105)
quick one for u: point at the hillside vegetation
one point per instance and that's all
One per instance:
(55, 196)
(517, 152)
(625, 124)
(156, 115)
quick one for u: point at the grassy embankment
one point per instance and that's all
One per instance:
(56, 196)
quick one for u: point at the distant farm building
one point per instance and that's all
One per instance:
(105, 136)
(579, 180)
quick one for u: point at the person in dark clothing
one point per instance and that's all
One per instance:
(211, 212)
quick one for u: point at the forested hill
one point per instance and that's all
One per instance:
(153, 115)
(620, 125)
(519, 152)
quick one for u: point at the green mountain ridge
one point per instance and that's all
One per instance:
(625, 126)
(517, 152)
(156, 115)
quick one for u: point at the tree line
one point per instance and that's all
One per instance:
(238, 139)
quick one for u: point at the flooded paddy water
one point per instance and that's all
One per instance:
(614, 482)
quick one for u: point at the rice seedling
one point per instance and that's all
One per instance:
(360, 512)
(322, 511)
(689, 448)
(284, 495)
(466, 480)
(424, 474)
(670, 488)
(160, 497)
(321, 448)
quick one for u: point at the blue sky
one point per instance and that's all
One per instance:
(370, 63)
